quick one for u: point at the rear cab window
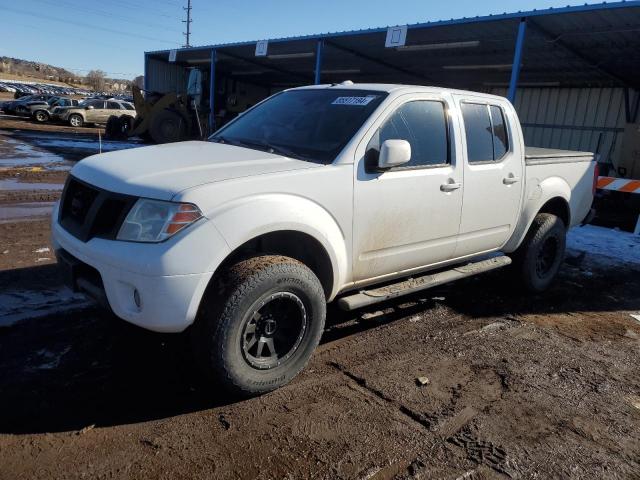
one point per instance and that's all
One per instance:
(486, 132)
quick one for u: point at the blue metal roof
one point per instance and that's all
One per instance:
(437, 23)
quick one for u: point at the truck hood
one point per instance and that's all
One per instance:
(161, 171)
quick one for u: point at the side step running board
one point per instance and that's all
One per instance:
(412, 285)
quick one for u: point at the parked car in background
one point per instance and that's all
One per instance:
(93, 111)
(12, 106)
(42, 113)
(24, 108)
(6, 88)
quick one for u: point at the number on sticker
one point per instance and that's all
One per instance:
(356, 101)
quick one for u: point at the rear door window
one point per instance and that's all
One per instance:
(485, 131)
(113, 106)
(500, 139)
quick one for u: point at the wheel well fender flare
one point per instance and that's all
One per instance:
(552, 195)
(245, 220)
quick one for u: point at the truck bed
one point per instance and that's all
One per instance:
(536, 155)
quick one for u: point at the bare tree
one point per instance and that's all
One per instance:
(96, 79)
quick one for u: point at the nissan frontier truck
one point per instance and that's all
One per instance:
(347, 193)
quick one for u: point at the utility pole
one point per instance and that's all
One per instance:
(188, 22)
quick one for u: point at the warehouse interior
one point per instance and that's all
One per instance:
(573, 73)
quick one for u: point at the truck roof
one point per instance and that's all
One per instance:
(395, 88)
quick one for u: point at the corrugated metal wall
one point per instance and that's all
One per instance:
(587, 119)
(166, 77)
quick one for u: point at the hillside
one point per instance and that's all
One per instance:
(19, 69)
(35, 70)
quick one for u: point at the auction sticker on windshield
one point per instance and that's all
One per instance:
(356, 101)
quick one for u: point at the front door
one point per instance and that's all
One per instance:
(409, 216)
(493, 175)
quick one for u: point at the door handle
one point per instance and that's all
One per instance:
(510, 180)
(450, 187)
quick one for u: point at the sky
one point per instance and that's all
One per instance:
(113, 35)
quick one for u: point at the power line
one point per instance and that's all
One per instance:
(103, 13)
(83, 25)
(188, 22)
(145, 9)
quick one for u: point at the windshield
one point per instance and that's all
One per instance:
(308, 124)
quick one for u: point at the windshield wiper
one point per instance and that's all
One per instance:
(265, 147)
(235, 142)
(287, 152)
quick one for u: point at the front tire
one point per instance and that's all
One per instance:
(259, 325)
(76, 120)
(540, 256)
(41, 116)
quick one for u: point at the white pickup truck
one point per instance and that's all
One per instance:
(354, 193)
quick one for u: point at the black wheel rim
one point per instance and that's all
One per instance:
(274, 330)
(547, 255)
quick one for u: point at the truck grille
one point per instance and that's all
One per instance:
(87, 211)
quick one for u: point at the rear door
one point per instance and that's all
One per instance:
(94, 114)
(493, 174)
(113, 108)
(407, 217)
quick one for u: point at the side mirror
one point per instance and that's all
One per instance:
(394, 153)
(89, 107)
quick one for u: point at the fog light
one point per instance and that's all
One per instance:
(136, 298)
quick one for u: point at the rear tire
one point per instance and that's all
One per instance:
(126, 125)
(540, 256)
(113, 128)
(259, 325)
(168, 126)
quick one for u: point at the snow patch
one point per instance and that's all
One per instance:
(19, 305)
(623, 247)
(42, 250)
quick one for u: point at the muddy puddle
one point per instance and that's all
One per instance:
(34, 166)
(14, 153)
(24, 211)
(16, 184)
(95, 146)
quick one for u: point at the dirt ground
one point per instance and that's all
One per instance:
(519, 386)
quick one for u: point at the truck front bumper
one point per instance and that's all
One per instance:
(154, 286)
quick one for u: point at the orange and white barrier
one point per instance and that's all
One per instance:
(618, 184)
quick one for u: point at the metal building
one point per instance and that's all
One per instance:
(573, 73)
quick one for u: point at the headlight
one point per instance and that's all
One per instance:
(155, 220)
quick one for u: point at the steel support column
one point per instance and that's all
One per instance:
(636, 108)
(145, 83)
(517, 60)
(212, 92)
(318, 71)
(627, 105)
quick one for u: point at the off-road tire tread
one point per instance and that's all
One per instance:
(536, 233)
(229, 288)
